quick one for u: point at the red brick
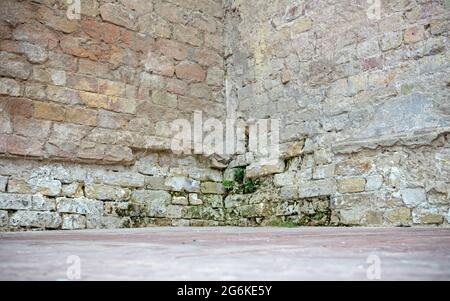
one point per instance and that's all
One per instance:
(13, 106)
(82, 47)
(373, 62)
(24, 146)
(208, 58)
(172, 49)
(48, 111)
(190, 71)
(159, 64)
(177, 86)
(81, 116)
(36, 33)
(82, 82)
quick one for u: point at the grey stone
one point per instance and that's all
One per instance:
(35, 219)
(233, 201)
(180, 200)
(323, 171)
(41, 203)
(183, 184)
(3, 182)
(285, 179)
(316, 188)
(106, 192)
(374, 182)
(125, 179)
(427, 216)
(213, 200)
(413, 197)
(194, 199)
(14, 66)
(74, 190)
(174, 211)
(289, 193)
(261, 169)
(15, 201)
(34, 53)
(4, 218)
(155, 202)
(9, 87)
(155, 182)
(212, 188)
(79, 206)
(73, 222)
(180, 223)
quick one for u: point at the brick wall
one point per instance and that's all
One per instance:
(86, 107)
(366, 96)
(101, 87)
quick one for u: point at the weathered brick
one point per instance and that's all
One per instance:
(212, 188)
(35, 219)
(21, 146)
(172, 49)
(188, 35)
(206, 57)
(351, 185)
(4, 218)
(83, 83)
(122, 105)
(55, 21)
(94, 100)
(190, 71)
(105, 192)
(159, 64)
(316, 188)
(414, 34)
(81, 116)
(118, 15)
(37, 33)
(3, 182)
(73, 222)
(31, 127)
(12, 65)
(111, 88)
(9, 201)
(9, 87)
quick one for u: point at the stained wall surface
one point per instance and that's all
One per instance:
(364, 87)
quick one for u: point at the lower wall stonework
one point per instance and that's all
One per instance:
(388, 186)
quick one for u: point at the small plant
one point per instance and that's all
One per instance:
(228, 184)
(239, 174)
(248, 187)
(240, 185)
(283, 224)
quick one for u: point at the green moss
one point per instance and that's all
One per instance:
(228, 184)
(239, 174)
(248, 187)
(283, 223)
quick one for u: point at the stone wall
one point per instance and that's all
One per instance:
(108, 84)
(86, 106)
(366, 96)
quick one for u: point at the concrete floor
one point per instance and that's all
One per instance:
(228, 254)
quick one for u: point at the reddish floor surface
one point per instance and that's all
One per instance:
(228, 254)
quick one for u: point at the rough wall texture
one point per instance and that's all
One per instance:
(86, 107)
(368, 96)
(102, 90)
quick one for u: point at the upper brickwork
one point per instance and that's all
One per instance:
(336, 71)
(100, 87)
